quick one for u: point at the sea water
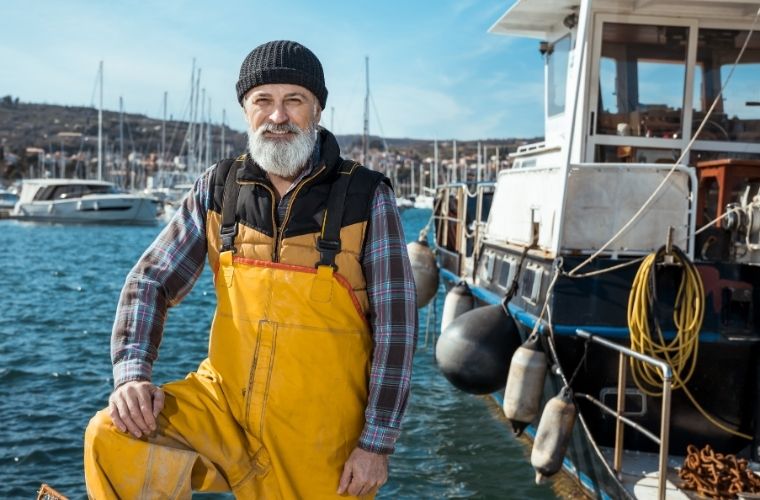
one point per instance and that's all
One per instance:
(59, 286)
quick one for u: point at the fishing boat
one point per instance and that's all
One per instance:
(77, 201)
(610, 279)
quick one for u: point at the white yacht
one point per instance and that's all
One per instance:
(81, 201)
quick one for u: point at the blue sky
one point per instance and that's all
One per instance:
(434, 69)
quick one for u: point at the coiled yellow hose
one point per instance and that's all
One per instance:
(680, 353)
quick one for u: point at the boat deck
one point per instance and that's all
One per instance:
(640, 476)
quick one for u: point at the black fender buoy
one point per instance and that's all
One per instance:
(473, 353)
(425, 271)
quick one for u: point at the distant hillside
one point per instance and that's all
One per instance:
(24, 125)
(51, 127)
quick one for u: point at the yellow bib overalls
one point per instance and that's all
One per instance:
(275, 409)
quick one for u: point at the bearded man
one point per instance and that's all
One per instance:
(311, 344)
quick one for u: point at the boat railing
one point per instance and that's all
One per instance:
(622, 421)
(460, 216)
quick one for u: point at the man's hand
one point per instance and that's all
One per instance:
(134, 407)
(364, 472)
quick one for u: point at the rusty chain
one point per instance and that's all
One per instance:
(715, 475)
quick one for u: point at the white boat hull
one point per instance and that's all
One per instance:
(96, 209)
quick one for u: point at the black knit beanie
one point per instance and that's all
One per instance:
(282, 61)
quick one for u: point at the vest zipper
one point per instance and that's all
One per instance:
(281, 229)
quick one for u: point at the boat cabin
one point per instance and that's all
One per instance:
(638, 93)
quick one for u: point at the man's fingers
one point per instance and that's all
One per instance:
(365, 489)
(113, 411)
(345, 479)
(134, 407)
(126, 418)
(133, 404)
(356, 486)
(145, 403)
(158, 401)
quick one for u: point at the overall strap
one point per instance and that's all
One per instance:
(328, 243)
(229, 226)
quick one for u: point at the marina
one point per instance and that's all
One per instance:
(588, 299)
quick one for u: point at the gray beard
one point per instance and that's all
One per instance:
(285, 158)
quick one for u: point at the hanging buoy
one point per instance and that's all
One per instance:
(473, 353)
(553, 435)
(459, 300)
(424, 269)
(525, 384)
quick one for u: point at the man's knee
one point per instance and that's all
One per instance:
(99, 430)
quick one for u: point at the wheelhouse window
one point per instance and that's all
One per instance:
(629, 154)
(736, 117)
(642, 77)
(556, 61)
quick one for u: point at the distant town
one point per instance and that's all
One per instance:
(46, 140)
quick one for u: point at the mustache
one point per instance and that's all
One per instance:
(279, 127)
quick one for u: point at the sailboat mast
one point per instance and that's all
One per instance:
(365, 139)
(121, 138)
(100, 125)
(196, 139)
(189, 135)
(496, 162)
(162, 159)
(477, 167)
(201, 131)
(422, 179)
(411, 177)
(486, 164)
(223, 152)
(208, 135)
(435, 165)
(454, 159)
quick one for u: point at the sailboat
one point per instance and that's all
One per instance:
(82, 201)
(424, 199)
(617, 264)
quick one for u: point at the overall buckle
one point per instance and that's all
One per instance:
(228, 238)
(328, 250)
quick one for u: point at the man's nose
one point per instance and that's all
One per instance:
(278, 114)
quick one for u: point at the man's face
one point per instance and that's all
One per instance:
(282, 127)
(280, 103)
